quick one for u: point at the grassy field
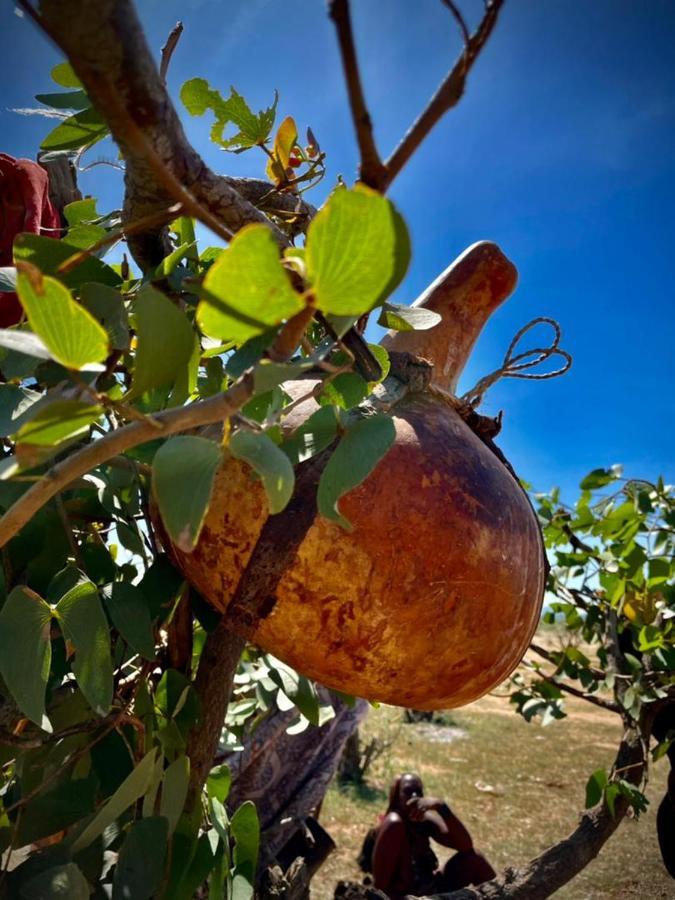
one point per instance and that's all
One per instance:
(530, 790)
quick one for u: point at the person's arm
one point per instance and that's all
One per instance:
(388, 853)
(443, 825)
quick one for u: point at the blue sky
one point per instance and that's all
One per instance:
(562, 151)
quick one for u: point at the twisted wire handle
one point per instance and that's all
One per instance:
(514, 366)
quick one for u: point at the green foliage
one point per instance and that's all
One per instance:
(361, 448)
(25, 651)
(273, 466)
(165, 342)
(246, 290)
(611, 595)
(83, 129)
(183, 472)
(252, 129)
(72, 336)
(357, 252)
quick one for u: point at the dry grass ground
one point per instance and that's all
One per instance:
(537, 776)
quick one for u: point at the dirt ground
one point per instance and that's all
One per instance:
(518, 787)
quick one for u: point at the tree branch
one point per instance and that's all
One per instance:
(548, 872)
(371, 169)
(448, 94)
(105, 44)
(162, 424)
(213, 684)
(168, 49)
(459, 18)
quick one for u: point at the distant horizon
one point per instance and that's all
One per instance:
(562, 151)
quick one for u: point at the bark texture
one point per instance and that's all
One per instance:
(105, 44)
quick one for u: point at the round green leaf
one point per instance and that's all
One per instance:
(359, 451)
(26, 651)
(247, 290)
(71, 334)
(183, 472)
(271, 464)
(357, 251)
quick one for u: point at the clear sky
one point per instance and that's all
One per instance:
(562, 151)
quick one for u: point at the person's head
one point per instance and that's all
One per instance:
(403, 789)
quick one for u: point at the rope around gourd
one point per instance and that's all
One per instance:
(514, 366)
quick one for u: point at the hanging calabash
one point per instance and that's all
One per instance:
(433, 596)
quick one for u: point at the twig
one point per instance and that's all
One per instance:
(371, 169)
(460, 20)
(130, 228)
(167, 422)
(575, 692)
(68, 528)
(168, 48)
(448, 94)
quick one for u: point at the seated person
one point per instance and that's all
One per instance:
(403, 861)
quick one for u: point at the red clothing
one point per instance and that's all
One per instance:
(24, 206)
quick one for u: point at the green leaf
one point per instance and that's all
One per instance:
(107, 306)
(253, 129)
(128, 610)
(268, 374)
(133, 787)
(165, 342)
(174, 791)
(407, 318)
(58, 421)
(246, 290)
(271, 464)
(245, 829)
(65, 100)
(314, 435)
(612, 791)
(22, 342)
(598, 478)
(26, 651)
(140, 866)
(383, 360)
(71, 334)
(57, 809)
(248, 354)
(170, 262)
(64, 882)
(595, 787)
(356, 252)
(85, 626)
(361, 448)
(183, 474)
(81, 212)
(218, 783)
(82, 129)
(64, 75)
(15, 405)
(299, 689)
(191, 863)
(346, 390)
(659, 571)
(48, 255)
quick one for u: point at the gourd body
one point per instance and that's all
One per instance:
(431, 600)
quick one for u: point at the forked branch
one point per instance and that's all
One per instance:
(448, 94)
(371, 170)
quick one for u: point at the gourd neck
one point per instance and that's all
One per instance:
(464, 295)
